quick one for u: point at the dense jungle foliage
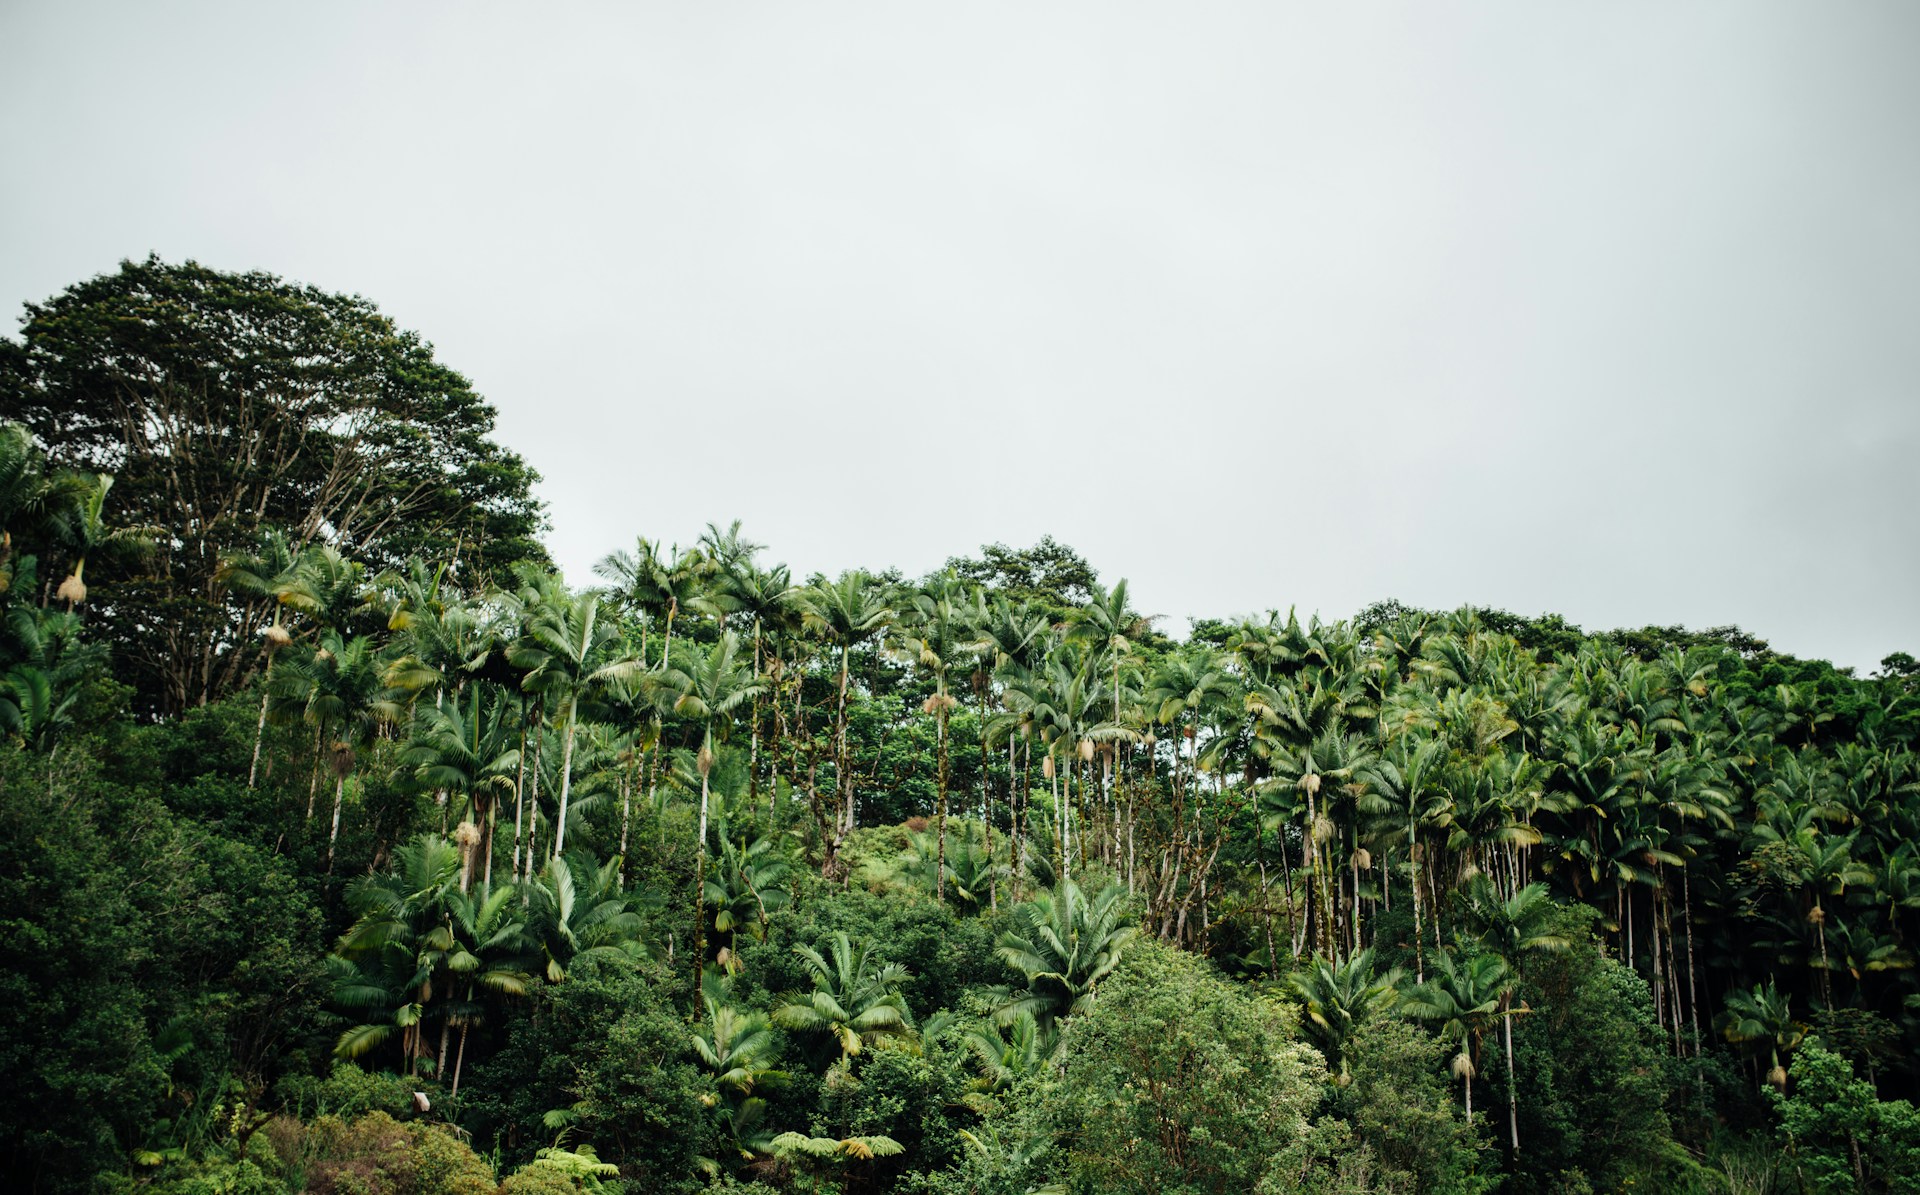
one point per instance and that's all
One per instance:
(345, 848)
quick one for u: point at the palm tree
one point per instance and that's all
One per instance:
(711, 686)
(1762, 1016)
(579, 910)
(488, 955)
(747, 884)
(1462, 1001)
(384, 966)
(470, 752)
(1112, 627)
(42, 685)
(341, 692)
(853, 999)
(1337, 996)
(734, 1044)
(736, 1048)
(568, 652)
(934, 638)
(1065, 945)
(1513, 928)
(264, 573)
(644, 582)
(845, 613)
(1005, 1056)
(971, 868)
(768, 599)
(79, 526)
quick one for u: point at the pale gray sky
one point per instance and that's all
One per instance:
(1608, 309)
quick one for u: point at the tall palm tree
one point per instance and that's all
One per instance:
(341, 692)
(769, 601)
(1513, 928)
(1462, 1001)
(384, 966)
(265, 573)
(934, 635)
(846, 613)
(488, 957)
(469, 751)
(80, 527)
(568, 652)
(710, 687)
(658, 588)
(747, 885)
(1113, 628)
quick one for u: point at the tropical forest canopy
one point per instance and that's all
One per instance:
(345, 848)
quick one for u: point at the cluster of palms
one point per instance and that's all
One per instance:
(432, 949)
(1064, 942)
(1470, 992)
(1335, 772)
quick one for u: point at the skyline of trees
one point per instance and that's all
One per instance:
(867, 863)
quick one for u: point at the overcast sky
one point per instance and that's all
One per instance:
(1607, 309)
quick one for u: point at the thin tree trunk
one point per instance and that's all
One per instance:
(1413, 861)
(460, 1055)
(1693, 1002)
(519, 798)
(259, 731)
(1513, 1099)
(940, 829)
(700, 887)
(533, 801)
(313, 783)
(339, 797)
(492, 839)
(566, 778)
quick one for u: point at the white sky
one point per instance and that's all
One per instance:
(1612, 310)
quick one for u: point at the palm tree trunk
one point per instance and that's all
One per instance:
(1060, 821)
(533, 802)
(940, 830)
(493, 830)
(259, 731)
(339, 797)
(566, 777)
(460, 1055)
(1693, 1001)
(1659, 984)
(519, 798)
(1513, 1099)
(699, 880)
(753, 751)
(1413, 867)
(840, 769)
(313, 783)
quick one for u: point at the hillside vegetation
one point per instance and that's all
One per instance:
(345, 848)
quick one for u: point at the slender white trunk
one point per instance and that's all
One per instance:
(259, 735)
(339, 797)
(1513, 1100)
(566, 778)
